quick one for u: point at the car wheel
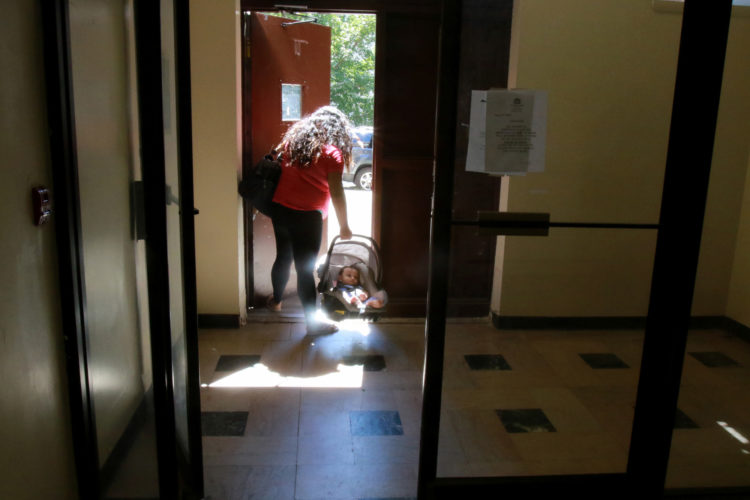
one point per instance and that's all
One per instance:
(363, 179)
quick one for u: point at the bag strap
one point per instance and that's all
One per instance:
(274, 154)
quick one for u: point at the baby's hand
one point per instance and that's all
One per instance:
(363, 296)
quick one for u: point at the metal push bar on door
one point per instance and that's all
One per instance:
(534, 224)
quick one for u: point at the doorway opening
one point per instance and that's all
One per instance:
(293, 63)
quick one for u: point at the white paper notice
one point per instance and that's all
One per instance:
(477, 122)
(516, 130)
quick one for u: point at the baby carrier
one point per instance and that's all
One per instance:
(361, 252)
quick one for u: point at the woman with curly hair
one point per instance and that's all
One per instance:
(314, 152)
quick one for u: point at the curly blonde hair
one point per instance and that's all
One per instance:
(304, 141)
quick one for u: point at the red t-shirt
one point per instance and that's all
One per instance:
(307, 188)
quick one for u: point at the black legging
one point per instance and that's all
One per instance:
(298, 236)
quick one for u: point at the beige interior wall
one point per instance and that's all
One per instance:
(37, 451)
(609, 68)
(738, 307)
(214, 38)
(727, 181)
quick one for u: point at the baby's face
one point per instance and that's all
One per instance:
(349, 276)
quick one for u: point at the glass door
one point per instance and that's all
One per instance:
(164, 105)
(180, 236)
(115, 298)
(574, 384)
(122, 166)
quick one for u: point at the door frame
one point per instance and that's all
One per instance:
(700, 65)
(180, 476)
(248, 154)
(704, 32)
(176, 477)
(679, 228)
(333, 6)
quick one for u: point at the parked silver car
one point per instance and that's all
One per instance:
(360, 171)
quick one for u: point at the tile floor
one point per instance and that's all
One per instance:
(288, 416)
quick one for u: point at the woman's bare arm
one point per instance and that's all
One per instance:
(339, 203)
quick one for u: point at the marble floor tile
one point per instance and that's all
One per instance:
(317, 482)
(271, 483)
(708, 443)
(299, 442)
(613, 409)
(224, 482)
(700, 474)
(376, 423)
(495, 469)
(325, 448)
(562, 407)
(449, 469)
(571, 466)
(250, 450)
(451, 455)
(397, 380)
(563, 357)
(385, 450)
(330, 400)
(321, 421)
(480, 398)
(267, 420)
(223, 423)
(377, 399)
(551, 446)
(481, 436)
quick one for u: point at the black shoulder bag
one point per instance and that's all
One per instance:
(258, 187)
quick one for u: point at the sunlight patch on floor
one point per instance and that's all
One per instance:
(350, 325)
(260, 375)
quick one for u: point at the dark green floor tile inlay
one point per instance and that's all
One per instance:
(525, 420)
(223, 423)
(604, 360)
(714, 359)
(486, 362)
(682, 421)
(370, 362)
(375, 423)
(234, 362)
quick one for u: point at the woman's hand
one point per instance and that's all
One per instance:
(345, 233)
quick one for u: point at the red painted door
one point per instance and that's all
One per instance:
(287, 67)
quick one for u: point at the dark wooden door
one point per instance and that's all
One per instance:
(405, 100)
(287, 75)
(405, 90)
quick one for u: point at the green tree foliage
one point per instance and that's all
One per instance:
(352, 64)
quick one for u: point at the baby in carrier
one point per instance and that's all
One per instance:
(348, 284)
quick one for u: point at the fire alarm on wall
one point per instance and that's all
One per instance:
(41, 205)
